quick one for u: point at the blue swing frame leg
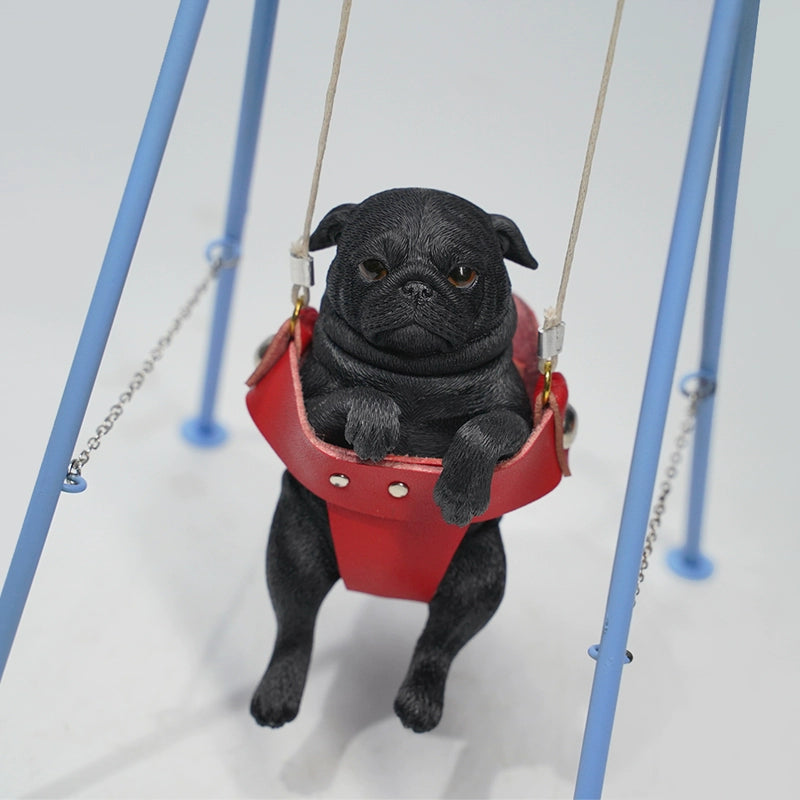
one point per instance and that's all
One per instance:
(99, 319)
(203, 430)
(611, 654)
(688, 561)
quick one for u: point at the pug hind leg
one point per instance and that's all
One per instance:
(465, 601)
(301, 569)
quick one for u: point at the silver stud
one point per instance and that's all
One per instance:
(398, 489)
(338, 480)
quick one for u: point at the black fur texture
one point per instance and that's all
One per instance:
(411, 355)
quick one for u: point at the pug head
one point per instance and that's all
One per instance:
(420, 272)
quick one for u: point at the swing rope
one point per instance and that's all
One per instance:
(302, 265)
(551, 337)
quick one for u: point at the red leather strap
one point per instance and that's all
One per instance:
(388, 545)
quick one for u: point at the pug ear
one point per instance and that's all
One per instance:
(512, 243)
(330, 227)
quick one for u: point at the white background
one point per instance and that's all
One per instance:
(149, 625)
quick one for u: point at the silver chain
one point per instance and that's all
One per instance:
(148, 365)
(671, 472)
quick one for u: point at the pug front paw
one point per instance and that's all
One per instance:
(464, 487)
(373, 425)
(463, 491)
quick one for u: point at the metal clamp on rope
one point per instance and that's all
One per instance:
(301, 272)
(551, 341)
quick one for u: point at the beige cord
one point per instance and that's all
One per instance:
(552, 316)
(300, 247)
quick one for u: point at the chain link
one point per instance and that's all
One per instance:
(671, 472)
(147, 366)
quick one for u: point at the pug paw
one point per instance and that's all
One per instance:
(463, 494)
(373, 425)
(464, 487)
(419, 706)
(269, 713)
(276, 701)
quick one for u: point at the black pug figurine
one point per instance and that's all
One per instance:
(411, 355)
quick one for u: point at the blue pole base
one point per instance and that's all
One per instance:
(203, 434)
(695, 567)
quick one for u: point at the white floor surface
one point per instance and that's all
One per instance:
(148, 624)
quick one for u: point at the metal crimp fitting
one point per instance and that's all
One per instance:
(551, 341)
(301, 270)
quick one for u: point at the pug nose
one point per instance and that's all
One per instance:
(417, 291)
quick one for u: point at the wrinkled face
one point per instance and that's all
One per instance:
(419, 274)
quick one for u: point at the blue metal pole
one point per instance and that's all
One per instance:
(688, 561)
(99, 319)
(611, 654)
(203, 430)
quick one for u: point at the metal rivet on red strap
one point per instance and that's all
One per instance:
(338, 480)
(398, 489)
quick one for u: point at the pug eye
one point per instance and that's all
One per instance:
(372, 269)
(462, 277)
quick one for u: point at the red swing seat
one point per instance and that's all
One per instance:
(388, 534)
